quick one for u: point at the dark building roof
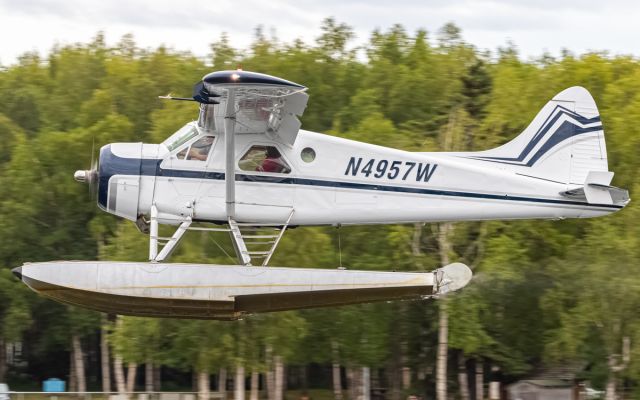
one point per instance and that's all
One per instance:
(567, 371)
(555, 376)
(548, 383)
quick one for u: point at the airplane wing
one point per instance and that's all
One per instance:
(263, 104)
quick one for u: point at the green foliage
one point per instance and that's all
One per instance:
(15, 313)
(200, 345)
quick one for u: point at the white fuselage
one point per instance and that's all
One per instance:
(348, 182)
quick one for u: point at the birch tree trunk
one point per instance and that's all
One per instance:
(118, 365)
(444, 245)
(463, 380)
(255, 385)
(270, 376)
(366, 383)
(278, 378)
(132, 368)
(105, 361)
(337, 381)
(494, 385)
(78, 361)
(148, 376)
(352, 386)
(118, 373)
(359, 385)
(335, 372)
(617, 363)
(406, 375)
(479, 380)
(271, 384)
(203, 385)
(239, 383)
(443, 346)
(610, 390)
(222, 382)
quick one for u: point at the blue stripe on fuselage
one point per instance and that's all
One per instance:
(151, 167)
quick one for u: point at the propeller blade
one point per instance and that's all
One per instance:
(93, 149)
(92, 176)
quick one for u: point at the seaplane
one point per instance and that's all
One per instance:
(246, 167)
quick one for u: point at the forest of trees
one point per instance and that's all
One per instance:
(545, 293)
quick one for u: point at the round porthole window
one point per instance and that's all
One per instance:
(308, 154)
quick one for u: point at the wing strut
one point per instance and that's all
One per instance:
(229, 137)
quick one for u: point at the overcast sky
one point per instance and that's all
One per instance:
(534, 26)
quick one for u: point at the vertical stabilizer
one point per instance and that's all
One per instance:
(563, 143)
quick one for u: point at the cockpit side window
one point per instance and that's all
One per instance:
(264, 159)
(206, 119)
(182, 136)
(198, 150)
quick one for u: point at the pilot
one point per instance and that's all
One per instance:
(200, 149)
(273, 162)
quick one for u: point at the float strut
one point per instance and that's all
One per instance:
(171, 244)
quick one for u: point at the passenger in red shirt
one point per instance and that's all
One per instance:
(273, 162)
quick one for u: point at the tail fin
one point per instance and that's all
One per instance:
(563, 143)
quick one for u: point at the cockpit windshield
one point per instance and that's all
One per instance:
(207, 118)
(182, 136)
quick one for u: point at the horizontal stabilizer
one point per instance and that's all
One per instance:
(597, 190)
(596, 187)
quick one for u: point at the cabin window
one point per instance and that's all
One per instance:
(264, 159)
(308, 154)
(198, 151)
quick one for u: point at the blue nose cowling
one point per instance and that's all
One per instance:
(111, 164)
(104, 168)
